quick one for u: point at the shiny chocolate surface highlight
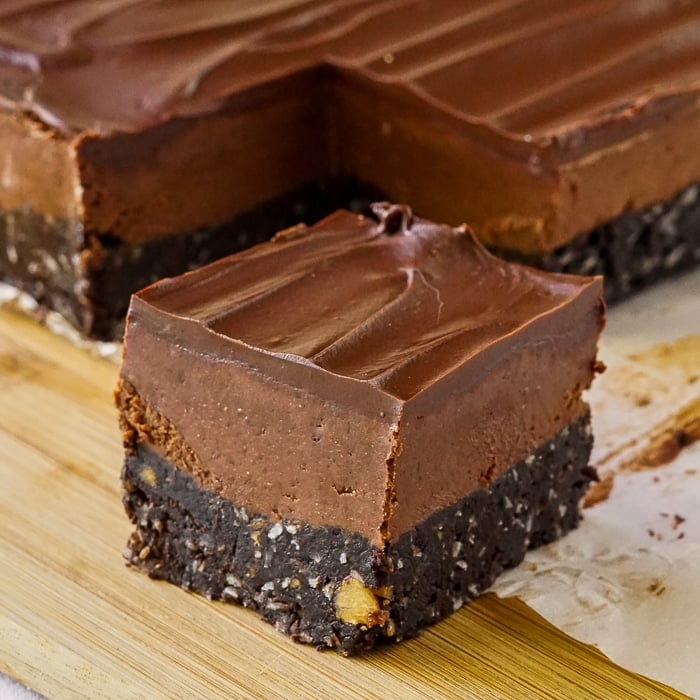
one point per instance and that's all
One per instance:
(126, 64)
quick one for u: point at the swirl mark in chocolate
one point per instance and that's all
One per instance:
(527, 69)
(398, 311)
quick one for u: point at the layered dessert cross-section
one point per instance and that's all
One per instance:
(141, 138)
(355, 427)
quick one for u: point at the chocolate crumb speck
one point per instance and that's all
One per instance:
(656, 587)
(677, 520)
(591, 473)
(683, 438)
(599, 491)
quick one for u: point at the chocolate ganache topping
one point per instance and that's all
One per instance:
(418, 366)
(124, 64)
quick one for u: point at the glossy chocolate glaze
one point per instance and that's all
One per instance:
(361, 374)
(574, 108)
(125, 64)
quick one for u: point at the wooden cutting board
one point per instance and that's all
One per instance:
(76, 622)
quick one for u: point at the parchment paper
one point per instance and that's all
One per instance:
(628, 580)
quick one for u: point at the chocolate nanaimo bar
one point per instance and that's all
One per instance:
(355, 427)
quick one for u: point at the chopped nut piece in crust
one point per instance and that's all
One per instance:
(149, 476)
(358, 605)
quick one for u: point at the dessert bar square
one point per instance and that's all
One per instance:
(355, 427)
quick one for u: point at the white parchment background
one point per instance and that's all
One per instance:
(628, 580)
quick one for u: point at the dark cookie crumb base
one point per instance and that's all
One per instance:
(635, 249)
(290, 571)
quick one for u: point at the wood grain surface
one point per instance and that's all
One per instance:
(75, 622)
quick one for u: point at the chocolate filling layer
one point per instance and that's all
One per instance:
(332, 588)
(634, 249)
